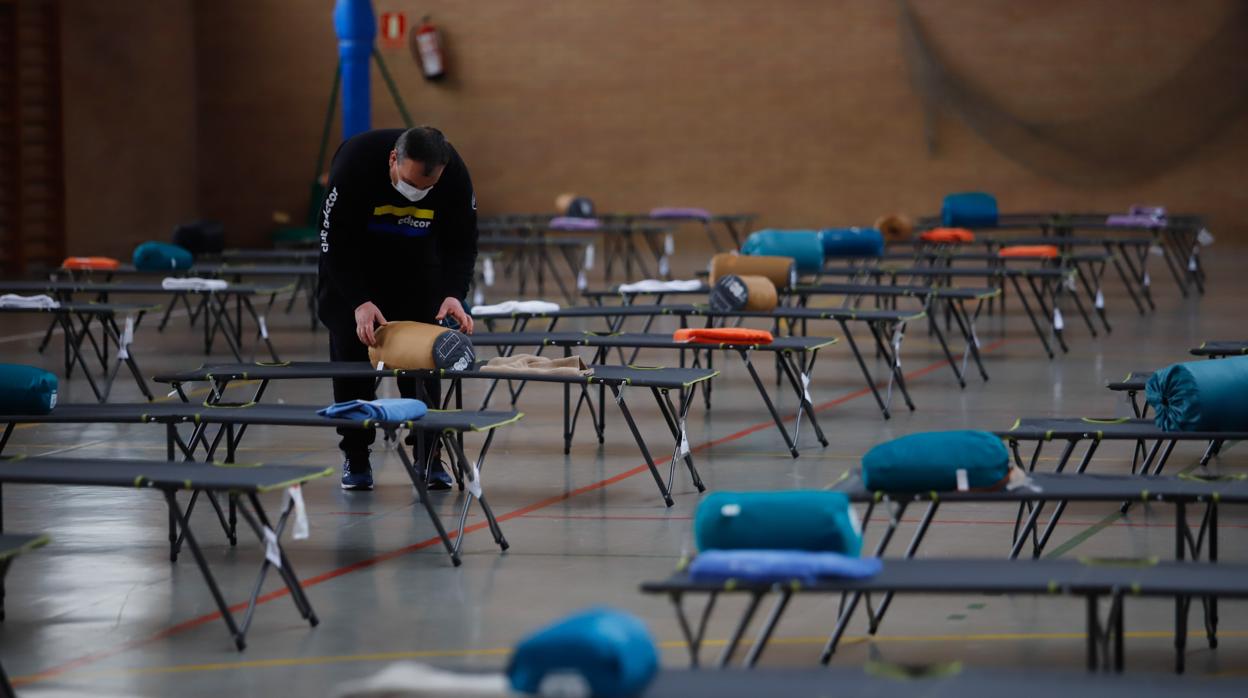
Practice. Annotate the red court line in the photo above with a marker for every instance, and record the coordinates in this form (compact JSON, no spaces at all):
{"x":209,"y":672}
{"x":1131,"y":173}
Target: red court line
{"x":115,"y":650}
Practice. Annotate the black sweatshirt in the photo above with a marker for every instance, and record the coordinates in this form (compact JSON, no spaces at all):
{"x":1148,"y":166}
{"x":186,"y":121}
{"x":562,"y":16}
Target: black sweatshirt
{"x":406,"y":257}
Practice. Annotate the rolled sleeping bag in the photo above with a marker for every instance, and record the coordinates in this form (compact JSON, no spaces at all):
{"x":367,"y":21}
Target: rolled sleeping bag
{"x":972,"y":209}
{"x":803,"y":246}
{"x":932,"y":461}
{"x":419,"y":345}
{"x":1209,"y":395}
{"x":895,"y":227}
{"x":733,"y":292}
{"x":781,"y":271}
{"x":200,"y":237}
{"x":814,"y":520}
{"x":162,"y":256}
{"x":610,"y":651}
{"x":26,"y":390}
{"x":851,"y":242}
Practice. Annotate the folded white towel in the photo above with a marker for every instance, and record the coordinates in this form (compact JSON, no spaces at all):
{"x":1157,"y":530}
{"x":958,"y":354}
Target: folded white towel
{"x":12,"y":300}
{"x":508,"y":307}
{"x":193,"y":283}
{"x":657,"y":286}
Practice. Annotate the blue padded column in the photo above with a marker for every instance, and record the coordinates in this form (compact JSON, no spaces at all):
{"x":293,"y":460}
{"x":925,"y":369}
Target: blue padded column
{"x":356,"y":27}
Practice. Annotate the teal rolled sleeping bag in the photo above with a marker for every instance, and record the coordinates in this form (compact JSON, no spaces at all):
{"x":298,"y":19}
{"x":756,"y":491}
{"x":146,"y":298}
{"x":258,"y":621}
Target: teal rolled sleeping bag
{"x":931,"y":461}
{"x":803,"y":246}
{"x":972,"y":209}
{"x":1207,"y":395}
{"x":851,"y":242}
{"x":26,"y":390}
{"x":162,"y":256}
{"x":815,"y":520}
{"x":611,"y":651}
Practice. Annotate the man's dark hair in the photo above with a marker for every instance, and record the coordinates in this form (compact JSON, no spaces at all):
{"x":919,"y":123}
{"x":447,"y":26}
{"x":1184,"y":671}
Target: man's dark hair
{"x":424,"y":144}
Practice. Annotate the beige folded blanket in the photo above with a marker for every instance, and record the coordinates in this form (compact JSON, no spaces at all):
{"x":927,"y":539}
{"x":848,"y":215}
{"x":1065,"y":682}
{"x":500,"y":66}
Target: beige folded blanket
{"x":529,"y":363}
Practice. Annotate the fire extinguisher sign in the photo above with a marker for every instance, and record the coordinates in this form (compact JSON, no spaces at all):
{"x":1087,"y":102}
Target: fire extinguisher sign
{"x":393,"y":29}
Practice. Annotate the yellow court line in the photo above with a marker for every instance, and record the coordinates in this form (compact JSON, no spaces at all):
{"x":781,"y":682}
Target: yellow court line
{"x":671,"y":644}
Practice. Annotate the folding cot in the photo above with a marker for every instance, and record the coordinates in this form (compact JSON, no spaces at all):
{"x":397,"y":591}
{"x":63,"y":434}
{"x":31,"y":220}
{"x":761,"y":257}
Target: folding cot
{"x":1090,"y":579}
{"x":76,"y":319}
{"x":954,"y":300}
{"x":12,"y":545}
{"x":660,"y":381}
{"x":1046,"y":285}
{"x":786,"y":349}
{"x":532,"y":257}
{"x":1129,"y":252}
{"x":242,"y":483}
{"x":1058,"y":487}
{"x":231,"y":423}
{"x":1220,"y":348}
{"x":951,"y":680}
{"x":621,"y":240}
{"x":213,"y":305}
{"x":734,"y":224}
{"x":887,"y":329}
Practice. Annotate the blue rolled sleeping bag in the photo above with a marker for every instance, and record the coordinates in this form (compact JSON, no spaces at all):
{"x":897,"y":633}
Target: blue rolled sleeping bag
{"x":803,"y":246}
{"x":931,"y":461}
{"x":26,"y":390}
{"x":612,"y":651}
{"x":162,"y":256}
{"x":972,"y":209}
{"x":779,"y":566}
{"x":851,"y":242}
{"x":815,"y":520}
{"x":1207,"y":395}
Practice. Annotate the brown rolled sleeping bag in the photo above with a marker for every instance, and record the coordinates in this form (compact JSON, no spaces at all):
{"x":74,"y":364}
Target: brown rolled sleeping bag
{"x":418,"y":345}
{"x":895,"y":227}
{"x":734,"y":292}
{"x":779,"y":270}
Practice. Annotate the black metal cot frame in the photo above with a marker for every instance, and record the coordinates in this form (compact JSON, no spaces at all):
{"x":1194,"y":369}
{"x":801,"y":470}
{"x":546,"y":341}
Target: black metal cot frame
{"x":232,"y":423}
{"x":12,"y":545}
{"x":244,"y":499}
{"x":1093,"y":580}
{"x":214,"y":306}
{"x":734,"y":224}
{"x":798,"y":372}
{"x":1043,"y":489}
{"x":75,"y":321}
{"x":616,"y":378}
{"x":532,"y":258}
{"x":882,"y":324}
{"x":1046,"y":286}
{"x":954,"y":300}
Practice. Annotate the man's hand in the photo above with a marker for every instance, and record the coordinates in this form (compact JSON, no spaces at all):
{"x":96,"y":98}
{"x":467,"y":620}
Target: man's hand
{"x":452,"y":307}
{"x":367,"y":317}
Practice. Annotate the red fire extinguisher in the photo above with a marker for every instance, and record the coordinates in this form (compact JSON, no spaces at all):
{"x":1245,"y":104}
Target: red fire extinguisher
{"x":426,"y":45}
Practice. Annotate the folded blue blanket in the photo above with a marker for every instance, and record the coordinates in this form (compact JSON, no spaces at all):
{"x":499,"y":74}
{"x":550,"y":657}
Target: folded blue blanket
{"x":779,"y":566}
{"x":389,"y":410}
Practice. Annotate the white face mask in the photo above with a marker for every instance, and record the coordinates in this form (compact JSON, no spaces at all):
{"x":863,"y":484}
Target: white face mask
{"x":409,"y":192}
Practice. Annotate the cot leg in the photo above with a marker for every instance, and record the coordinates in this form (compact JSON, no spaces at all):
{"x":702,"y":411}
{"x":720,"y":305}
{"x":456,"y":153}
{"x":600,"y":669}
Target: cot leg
{"x":762,"y":391}
{"x":1127,"y":283}
{"x":729,"y":649}
{"x":287,"y":573}
{"x":764,"y":633}
{"x":495,"y":529}
{"x":925,"y":523}
{"x":793,"y":373}
{"x":239,"y":638}
{"x":842,"y":623}
{"x":853,"y":347}
{"x":944,"y":347}
{"x":618,"y":393}
{"x":1031,"y":315}
{"x":1211,"y":612}
{"x":676,"y":425}
{"x":416,"y":472}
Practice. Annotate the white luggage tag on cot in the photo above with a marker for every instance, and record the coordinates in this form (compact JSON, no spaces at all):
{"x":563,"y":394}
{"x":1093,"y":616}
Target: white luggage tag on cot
{"x":474,"y":484}
{"x":669,"y":245}
{"x":806,"y":388}
{"x":1058,"y":323}
{"x":487,"y":271}
{"x":1204,"y":237}
{"x":581,"y":282}
{"x":272,"y":551}
{"x":897,"y":346}
{"x":963,"y":482}
{"x":665,"y":268}
{"x":264,"y":326}
{"x":1191,"y":262}
{"x":589,"y":256}
{"x":478,"y":298}
{"x":127,"y":336}
{"x":1100,"y":300}
{"x":684,"y":449}
{"x":294,"y":493}
{"x":1148,"y":281}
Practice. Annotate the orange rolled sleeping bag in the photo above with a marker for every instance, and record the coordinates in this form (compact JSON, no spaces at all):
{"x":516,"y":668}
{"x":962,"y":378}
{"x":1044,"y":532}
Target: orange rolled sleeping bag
{"x":90,"y":263}
{"x":1042,"y":251}
{"x":754,"y":293}
{"x":779,"y":270}
{"x":418,"y":345}
{"x":948,"y":236}
{"x":723,"y":335}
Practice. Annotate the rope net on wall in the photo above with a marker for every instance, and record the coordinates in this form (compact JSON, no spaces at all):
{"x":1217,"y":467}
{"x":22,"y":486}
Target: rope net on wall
{"x":1126,"y":142}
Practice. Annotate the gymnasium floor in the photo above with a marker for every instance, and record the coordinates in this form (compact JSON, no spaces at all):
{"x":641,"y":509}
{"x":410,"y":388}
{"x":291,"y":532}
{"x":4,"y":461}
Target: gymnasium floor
{"x":102,"y":610}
